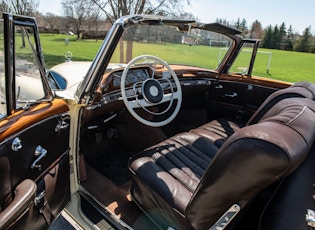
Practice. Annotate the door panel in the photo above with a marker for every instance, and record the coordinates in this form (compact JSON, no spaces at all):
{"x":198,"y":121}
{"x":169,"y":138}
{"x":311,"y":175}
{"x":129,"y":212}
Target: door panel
{"x":193,"y":112}
{"x":34,"y":132}
{"x":41,"y":146}
{"x":46,"y":125}
{"x":25,"y":118}
{"x":236,"y":99}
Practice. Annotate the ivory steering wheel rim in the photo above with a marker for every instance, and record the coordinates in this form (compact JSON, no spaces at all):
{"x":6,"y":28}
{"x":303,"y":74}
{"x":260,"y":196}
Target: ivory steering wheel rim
{"x":152,"y":95}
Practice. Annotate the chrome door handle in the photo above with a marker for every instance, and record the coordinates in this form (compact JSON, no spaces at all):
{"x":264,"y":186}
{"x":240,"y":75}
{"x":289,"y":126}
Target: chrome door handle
{"x":16,"y":144}
{"x":40,"y":153}
{"x":234,"y":94}
{"x":61,"y":125}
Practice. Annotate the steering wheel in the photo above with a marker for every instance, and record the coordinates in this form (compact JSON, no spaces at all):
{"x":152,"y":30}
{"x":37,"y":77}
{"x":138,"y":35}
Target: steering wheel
{"x":152,"y":91}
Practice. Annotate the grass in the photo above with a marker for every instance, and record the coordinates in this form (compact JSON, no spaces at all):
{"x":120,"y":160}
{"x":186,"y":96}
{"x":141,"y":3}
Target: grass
{"x":55,"y":48}
{"x":190,"y":55}
{"x":290,"y":66}
{"x":285,"y":65}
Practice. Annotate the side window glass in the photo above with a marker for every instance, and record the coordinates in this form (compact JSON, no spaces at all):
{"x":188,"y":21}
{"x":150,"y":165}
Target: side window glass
{"x":3,"y":107}
{"x":242,"y":62}
{"x":28,"y":82}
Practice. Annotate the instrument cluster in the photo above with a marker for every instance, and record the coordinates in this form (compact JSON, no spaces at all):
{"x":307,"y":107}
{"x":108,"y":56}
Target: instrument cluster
{"x":133,"y":76}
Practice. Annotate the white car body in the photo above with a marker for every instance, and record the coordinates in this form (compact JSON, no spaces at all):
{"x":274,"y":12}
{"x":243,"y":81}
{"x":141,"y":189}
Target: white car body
{"x":73,"y":73}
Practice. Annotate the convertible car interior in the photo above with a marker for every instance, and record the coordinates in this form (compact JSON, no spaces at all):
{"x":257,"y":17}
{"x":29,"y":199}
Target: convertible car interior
{"x":210,"y":172}
{"x":170,"y":127}
{"x":177,"y":146}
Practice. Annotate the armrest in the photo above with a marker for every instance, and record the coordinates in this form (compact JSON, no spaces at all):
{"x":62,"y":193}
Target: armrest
{"x":24,"y":198}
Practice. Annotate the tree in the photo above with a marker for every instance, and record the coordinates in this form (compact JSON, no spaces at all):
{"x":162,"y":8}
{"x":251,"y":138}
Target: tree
{"x":238,"y":24}
{"x":76,"y":12}
{"x":289,"y":39}
{"x":22,"y":7}
{"x":275,"y":41}
{"x":244,"y":28}
{"x":267,"y":37}
{"x":50,"y":21}
{"x":223,"y":21}
{"x":256,"y":30}
{"x":4,"y":6}
{"x":93,"y":17}
{"x":282,"y":37}
{"x":304,"y":44}
{"x":114,"y":9}
{"x":313,"y":45}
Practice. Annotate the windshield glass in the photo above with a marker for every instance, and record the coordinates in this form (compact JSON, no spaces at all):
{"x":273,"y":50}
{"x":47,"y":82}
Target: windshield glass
{"x":196,"y":47}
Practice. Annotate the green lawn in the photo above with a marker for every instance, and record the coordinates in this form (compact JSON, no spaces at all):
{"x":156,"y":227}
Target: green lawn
{"x":285,"y":65}
{"x":55,"y":48}
{"x":291,"y":66}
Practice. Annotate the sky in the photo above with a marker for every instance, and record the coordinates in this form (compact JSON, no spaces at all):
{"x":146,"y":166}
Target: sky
{"x":298,"y":13}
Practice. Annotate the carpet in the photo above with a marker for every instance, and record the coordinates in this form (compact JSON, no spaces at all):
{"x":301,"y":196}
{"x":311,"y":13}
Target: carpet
{"x":111,"y":162}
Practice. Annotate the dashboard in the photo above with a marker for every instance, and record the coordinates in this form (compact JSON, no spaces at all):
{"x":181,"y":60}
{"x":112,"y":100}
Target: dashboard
{"x":133,"y":76}
{"x":188,"y":76}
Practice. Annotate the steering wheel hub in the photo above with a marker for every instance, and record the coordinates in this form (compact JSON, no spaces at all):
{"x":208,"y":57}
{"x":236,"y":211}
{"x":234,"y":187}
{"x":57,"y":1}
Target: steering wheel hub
{"x":152,"y":91}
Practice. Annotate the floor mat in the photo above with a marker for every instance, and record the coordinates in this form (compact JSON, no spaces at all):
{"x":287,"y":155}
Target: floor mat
{"x":62,"y":223}
{"x":112,"y":163}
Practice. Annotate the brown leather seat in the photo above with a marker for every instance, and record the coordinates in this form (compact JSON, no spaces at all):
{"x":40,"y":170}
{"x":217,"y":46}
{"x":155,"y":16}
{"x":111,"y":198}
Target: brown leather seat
{"x":187,"y":182}
{"x":301,"y":89}
{"x":217,"y":131}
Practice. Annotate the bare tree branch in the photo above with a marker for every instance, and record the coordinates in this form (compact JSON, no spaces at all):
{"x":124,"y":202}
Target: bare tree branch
{"x":76,"y":12}
{"x":114,"y":9}
{"x":22,"y":7}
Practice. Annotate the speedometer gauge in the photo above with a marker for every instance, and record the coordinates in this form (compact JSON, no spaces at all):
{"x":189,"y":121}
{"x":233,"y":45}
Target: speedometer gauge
{"x":166,"y":74}
{"x":117,"y":79}
{"x":133,"y":76}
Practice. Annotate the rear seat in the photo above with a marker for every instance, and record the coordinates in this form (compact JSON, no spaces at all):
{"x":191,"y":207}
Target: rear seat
{"x":217,"y":131}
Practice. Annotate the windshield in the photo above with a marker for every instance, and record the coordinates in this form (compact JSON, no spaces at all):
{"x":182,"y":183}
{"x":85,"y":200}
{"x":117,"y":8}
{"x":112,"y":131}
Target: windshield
{"x":195,"y":47}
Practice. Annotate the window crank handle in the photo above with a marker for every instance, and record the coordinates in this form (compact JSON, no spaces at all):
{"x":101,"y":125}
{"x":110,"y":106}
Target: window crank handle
{"x":40,"y":153}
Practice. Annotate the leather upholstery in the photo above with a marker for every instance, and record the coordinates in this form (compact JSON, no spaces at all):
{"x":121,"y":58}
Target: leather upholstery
{"x":187,"y":182}
{"x":167,"y":174}
{"x":300,"y":89}
{"x":20,"y":205}
{"x":217,"y":131}
{"x":290,"y":202}
{"x":285,"y":204}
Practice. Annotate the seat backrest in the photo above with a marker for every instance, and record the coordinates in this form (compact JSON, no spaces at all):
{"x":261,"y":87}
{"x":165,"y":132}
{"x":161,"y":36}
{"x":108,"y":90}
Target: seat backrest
{"x":301,"y":89}
{"x":252,"y":159}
